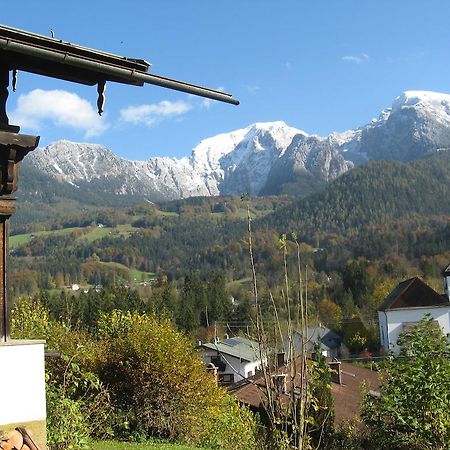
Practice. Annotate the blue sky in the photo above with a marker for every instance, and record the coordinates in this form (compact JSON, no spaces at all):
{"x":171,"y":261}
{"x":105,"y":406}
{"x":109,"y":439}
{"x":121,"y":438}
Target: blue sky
{"x":320,"y":66}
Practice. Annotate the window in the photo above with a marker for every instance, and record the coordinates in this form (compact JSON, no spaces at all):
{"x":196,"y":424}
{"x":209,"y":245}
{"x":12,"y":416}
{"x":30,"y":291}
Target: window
{"x":226,"y":378}
{"x":408,"y":327}
{"x":217,"y":361}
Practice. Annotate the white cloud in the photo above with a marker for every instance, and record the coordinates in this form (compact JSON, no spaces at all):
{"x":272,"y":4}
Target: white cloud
{"x":357,"y":59}
{"x":59,"y":107}
{"x":206,"y":103}
{"x":154,"y":113}
{"x":252,"y":88}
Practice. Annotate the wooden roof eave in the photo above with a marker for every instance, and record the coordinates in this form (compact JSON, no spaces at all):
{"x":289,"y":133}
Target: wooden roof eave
{"x":50,"y":57}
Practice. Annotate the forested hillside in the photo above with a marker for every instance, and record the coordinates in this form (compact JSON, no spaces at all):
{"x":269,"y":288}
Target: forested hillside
{"x":377,"y":193}
{"x":383,"y":208}
{"x":360,"y":236}
{"x":41,"y":198}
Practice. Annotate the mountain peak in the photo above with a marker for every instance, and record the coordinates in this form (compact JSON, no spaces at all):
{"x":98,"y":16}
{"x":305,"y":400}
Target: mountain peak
{"x":428,"y":99}
{"x":275,"y":126}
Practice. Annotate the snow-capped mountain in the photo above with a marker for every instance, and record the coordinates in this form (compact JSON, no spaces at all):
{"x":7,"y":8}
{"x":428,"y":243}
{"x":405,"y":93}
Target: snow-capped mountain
{"x":264,"y":158}
{"x":417,"y":123}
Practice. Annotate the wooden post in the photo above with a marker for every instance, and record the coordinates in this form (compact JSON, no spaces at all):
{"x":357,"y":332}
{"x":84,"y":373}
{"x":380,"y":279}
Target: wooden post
{"x":13,"y":148}
{"x":7,"y":208}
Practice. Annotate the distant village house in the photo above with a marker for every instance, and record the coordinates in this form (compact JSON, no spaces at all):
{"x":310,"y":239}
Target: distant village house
{"x":409,"y":303}
{"x":234,"y":358}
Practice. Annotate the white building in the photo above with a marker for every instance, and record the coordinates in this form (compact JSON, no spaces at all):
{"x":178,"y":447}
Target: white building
{"x":407,"y":304}
{"x":235,"y":358}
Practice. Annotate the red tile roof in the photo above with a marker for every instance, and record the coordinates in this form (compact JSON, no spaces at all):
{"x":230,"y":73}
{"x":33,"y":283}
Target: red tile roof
{"x":346,"y":396}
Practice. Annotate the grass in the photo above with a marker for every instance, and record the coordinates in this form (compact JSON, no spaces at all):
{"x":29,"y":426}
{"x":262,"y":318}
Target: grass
{"x":116,"y":445}
{"x":168,"y":213}
{"x":92,"y":235}
{"x":99,"y":232}
{"x":138,"y":275}
{"x":22,"y":239}
{"x":236,"y":283}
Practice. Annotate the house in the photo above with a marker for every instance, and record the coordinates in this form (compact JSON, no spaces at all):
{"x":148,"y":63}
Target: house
{"x":234,"y":358}
{"x":407,"y":304}
{"x":327,"y":340}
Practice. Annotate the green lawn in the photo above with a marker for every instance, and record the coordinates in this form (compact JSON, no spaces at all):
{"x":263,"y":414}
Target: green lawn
{"x":93,"y":234}
{"x":115,"y":445}
{"x":168,"y":213}
{"x":21,"y":239}
{"x":99,"y":232}
{"x":139,"y":276}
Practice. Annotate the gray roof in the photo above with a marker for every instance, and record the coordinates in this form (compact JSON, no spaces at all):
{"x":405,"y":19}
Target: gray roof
{"x":327,"y":339}
{"x":238,"y":347}
{"x":446,"y":271}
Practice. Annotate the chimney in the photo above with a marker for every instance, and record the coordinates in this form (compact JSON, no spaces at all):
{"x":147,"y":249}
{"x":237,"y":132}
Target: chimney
{"x":212,"y":369}
{"x":281,"y":359}
{"x":335,"y":368}
{"x":279,"y":383}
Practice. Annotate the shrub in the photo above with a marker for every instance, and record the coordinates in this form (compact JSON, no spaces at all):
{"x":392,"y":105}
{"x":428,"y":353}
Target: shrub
{"x":156,"y":383}
{"x":66,"y":425}
{"x":228,"y":426}
{"x":78,"y":405}
{"x":159,"y":381}
{"x":29,"y":320}
{"x":413,"y":408}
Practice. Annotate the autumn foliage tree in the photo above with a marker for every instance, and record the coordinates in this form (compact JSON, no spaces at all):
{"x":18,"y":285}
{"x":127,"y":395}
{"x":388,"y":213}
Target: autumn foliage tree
{"x":162,"y":386}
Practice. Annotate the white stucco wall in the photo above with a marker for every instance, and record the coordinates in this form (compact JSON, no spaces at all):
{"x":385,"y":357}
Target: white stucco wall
{"x":22,"y":382}
{"x":447,"y":286}
{"x":235,"y":366}
{"x":391,"y":322}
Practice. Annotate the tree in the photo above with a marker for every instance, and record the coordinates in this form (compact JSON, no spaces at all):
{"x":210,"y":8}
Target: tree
{"x":413,"y":409}
{"x":162,"y":386}
{"x":192,"y":303}
{"x":218,"y":298}
{"x":330,"y":314}
{"x":356,"y":279}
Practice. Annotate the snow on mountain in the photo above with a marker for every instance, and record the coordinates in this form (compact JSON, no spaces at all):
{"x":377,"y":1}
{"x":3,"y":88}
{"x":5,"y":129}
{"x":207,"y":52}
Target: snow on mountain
{"x":263,"y":158}
{"x":248,"y":152}
{"x":436,"y":101}
{"x":417,"y":123}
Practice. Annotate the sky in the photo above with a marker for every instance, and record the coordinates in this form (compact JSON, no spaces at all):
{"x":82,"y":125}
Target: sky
{"x":320,"y":66}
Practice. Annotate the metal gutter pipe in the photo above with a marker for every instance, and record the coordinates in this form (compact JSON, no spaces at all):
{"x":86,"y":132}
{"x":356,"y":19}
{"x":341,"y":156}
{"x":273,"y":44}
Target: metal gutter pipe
{"x":129,"y":76}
